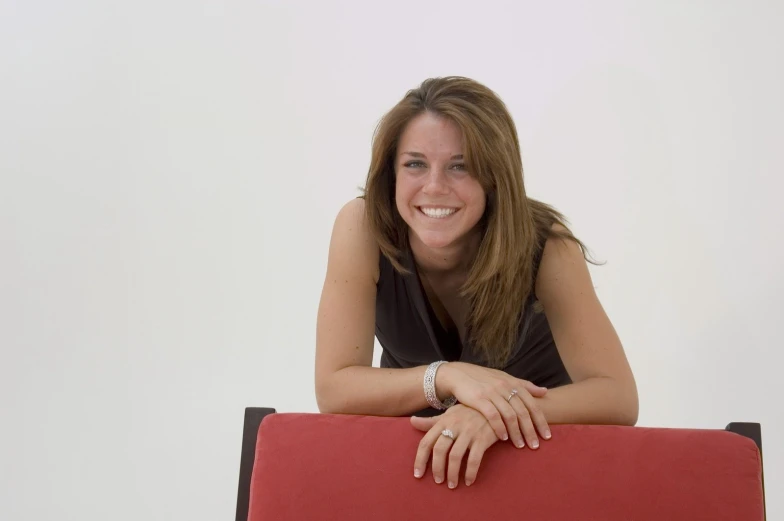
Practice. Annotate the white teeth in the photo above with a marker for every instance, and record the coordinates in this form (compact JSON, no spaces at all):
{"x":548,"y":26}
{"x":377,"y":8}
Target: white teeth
{"x":438,"y":213}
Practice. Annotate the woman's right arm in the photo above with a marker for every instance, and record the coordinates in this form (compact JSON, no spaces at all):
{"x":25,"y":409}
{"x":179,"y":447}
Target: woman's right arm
{"x":345,"y":381}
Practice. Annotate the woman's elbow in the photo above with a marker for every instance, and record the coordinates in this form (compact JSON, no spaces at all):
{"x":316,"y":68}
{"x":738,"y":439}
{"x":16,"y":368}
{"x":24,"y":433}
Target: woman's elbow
{"x":625,"y":406}
{"x":631,"y":407}
{"x":327,"y":397}
{"x":326,"y":406}
{"x":325,"y":409}
{"x":323,"y":400}
{"x":631,"y":415}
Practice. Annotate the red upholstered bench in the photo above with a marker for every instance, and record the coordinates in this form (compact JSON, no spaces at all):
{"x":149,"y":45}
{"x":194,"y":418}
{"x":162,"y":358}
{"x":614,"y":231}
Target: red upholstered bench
{"x":340,"y":467}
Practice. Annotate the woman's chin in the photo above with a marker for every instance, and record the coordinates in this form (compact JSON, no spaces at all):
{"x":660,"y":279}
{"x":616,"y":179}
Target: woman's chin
{"x":435,"y":240}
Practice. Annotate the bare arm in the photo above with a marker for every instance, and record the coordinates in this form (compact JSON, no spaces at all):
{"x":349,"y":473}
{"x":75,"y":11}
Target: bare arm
{"x":345,"y":381}
{"x":604,"y":390}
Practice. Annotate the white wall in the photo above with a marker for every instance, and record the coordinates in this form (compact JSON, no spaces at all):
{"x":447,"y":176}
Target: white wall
{"x":169,"y":173}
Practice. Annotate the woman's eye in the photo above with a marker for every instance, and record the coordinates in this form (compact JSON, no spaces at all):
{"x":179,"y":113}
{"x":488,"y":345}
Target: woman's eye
{"x":421,"y":164}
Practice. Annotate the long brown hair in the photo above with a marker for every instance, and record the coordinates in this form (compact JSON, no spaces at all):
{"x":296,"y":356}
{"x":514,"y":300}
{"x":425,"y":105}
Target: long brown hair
{"x":515,"y":227}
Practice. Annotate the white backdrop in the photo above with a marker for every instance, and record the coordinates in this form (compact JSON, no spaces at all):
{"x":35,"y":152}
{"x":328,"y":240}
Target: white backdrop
{"x":170,"y":171}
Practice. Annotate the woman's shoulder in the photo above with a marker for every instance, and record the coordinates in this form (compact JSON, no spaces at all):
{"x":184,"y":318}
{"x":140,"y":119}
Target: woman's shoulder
{"x":353,"y":246}
{"x":561,"y":261}
{"x":352,"y":218}
{"x":354,"y":208}
{"x":559,"y":246}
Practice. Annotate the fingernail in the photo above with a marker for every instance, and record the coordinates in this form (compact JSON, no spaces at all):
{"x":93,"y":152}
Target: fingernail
{"x":417,"y":473}
{"x":468,"y":483}
{"x":506,"y":437}
{"x":451,"y":485}
{"x":439,"y":480}
{"x":520,"y":444}
{"x":547,"y":435}
{"x":535,"y":444}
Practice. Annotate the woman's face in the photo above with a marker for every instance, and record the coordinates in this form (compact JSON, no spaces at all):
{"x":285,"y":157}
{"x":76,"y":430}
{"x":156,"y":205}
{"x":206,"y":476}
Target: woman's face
{"x":435,"y":194}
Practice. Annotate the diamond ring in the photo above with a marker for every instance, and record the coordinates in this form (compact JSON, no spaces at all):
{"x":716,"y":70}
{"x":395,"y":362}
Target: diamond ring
{"x":448,"y":433}
{"x":511,"y":395}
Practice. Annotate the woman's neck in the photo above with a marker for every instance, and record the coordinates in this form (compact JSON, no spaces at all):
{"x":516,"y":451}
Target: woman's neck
{"x":453,"y":260}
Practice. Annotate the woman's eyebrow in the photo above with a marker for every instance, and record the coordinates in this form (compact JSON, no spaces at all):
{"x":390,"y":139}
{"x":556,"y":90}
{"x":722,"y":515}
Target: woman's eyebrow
{"x":419,"y":154}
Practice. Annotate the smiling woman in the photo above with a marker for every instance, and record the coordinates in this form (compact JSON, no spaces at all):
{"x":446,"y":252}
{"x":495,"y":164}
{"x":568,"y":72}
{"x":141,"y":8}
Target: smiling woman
{"x":479,"y":296}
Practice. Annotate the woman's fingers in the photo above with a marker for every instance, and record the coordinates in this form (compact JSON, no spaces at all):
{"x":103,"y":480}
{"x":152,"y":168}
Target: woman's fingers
{"x":475,"y":456}
{"x":456,"y":453}
{"x":536,"y":414}
{"x":488,"y":392}
{"x":423,"y":451}
{"x":493,"y":417}
{"x":459,"y":432}
{"x":526,"y":424}
{"x":423,"y":423}
{"x":510,"y":419}
{"x":440,"y":453}
{"x":532,"y":388}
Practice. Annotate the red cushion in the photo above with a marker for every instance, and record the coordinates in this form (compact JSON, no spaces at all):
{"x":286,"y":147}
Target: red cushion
{"x":324,"y":467}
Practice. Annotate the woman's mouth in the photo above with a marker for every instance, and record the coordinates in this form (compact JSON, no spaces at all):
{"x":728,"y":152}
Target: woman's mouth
{"x":437,"y":212}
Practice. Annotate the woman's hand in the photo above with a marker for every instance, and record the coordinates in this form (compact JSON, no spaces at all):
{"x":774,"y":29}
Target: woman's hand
{"x":506,"y":402}
{"x":470,"y":432}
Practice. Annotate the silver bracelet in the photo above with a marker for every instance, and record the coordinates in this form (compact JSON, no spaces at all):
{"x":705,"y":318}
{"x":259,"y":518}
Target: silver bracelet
{"x":430,"y":389}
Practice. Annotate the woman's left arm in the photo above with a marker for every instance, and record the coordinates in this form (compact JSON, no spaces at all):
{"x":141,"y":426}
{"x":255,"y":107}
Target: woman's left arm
{"x":603,"y":389}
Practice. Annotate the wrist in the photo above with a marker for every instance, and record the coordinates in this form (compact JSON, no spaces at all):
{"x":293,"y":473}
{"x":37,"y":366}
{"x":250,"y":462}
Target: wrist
{"x":444,"y":386}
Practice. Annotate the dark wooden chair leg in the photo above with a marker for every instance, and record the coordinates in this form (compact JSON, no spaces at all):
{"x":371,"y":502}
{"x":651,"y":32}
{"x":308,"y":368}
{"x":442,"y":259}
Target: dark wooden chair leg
{"x":754,"y":432}
{"x":250,"y":430}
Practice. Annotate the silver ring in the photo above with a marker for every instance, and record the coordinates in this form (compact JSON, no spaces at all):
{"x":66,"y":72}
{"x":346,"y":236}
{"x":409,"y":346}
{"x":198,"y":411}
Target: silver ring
{"x":448,"y":433}
{"x":511,"y":395}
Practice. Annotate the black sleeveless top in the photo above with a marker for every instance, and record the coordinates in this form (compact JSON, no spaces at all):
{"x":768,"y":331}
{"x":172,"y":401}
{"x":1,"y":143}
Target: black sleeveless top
{"x":411,"y":334}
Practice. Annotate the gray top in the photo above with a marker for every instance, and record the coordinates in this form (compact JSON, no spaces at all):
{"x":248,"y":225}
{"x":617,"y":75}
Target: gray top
{"x":411,"y":335}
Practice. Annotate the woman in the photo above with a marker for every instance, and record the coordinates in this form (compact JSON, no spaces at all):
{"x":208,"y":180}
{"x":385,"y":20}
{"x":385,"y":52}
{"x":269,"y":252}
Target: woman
{"x":480,"y":297}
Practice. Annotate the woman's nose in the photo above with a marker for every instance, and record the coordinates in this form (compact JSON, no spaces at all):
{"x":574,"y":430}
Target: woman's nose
{"x":436,"y":182}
